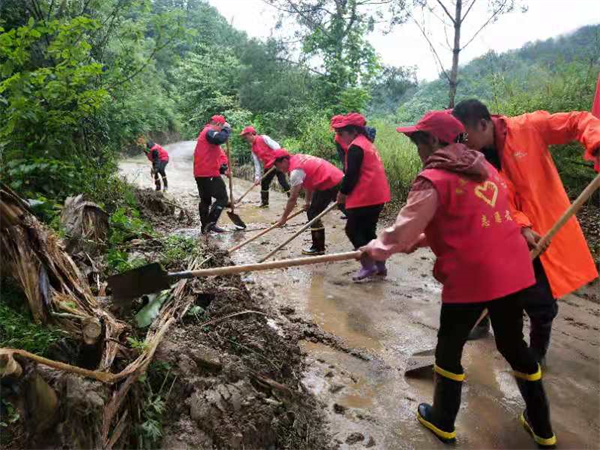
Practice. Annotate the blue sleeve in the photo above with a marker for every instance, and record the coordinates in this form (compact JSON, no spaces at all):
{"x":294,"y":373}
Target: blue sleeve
{"x":218,"y":137}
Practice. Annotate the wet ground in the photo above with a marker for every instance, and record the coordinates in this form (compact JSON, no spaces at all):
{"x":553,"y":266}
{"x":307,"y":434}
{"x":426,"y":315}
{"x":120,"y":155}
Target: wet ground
{"x":389,"y":320}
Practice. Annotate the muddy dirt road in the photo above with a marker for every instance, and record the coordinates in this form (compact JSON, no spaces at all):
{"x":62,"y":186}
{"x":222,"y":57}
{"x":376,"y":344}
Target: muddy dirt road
{"x":369,"y":402}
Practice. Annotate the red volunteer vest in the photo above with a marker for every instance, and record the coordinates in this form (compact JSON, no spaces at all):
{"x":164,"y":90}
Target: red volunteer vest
{"x":481,"y":254}
{"x":263,"y":152}
{"x":372,"y":187}
{"x":162,"y":153}
{"x":207,"y":156}
{"x":320,"y":174}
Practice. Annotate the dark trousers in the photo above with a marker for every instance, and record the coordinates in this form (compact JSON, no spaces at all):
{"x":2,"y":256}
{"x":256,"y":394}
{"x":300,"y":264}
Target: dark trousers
{"x":159,"y":169}
{"x":265,"y":184}
{"x":457,"y":319}
{"x":209,"y":188}
{"x":361,"y":227}
{"x":319,"y":202}
{"x":542,"y":308}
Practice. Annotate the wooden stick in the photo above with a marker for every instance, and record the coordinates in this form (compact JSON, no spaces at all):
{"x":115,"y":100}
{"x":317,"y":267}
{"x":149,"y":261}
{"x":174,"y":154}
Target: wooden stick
{"x":262,"y":233}
{"x":254,"y":185}
{"x":328,"y":209}
{"x":576,"y":206}
{"x":228,"y":147}
{"x":280,"y":264}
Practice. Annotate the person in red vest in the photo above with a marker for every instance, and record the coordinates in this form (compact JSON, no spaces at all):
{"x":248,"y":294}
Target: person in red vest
{"x":365,"y":189}
{"x":159,"y":158}
{"x":458,"y":206}
{"x":342,"y":148}
{"x":320,"y":180}
{"x":262,"y":152}
{"x":208,"y":163}
{"x":518,"y":148}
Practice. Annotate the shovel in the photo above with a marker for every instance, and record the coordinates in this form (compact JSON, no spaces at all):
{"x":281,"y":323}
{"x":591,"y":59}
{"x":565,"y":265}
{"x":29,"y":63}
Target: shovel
{"x":238,"y":201}
{"x":329,"y":208}
{"x":153,"y":278}
{"x":262,"y":233}
{"x":237,"y":220}
{"x":426,"y":358}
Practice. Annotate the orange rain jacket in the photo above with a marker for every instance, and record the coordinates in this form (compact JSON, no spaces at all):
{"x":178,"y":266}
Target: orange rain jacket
{"x":538,"y":195}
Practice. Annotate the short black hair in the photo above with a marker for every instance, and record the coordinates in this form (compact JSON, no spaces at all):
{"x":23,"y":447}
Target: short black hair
{"x":280,"y":159}
{"x":419,"y":137}
{"x":471,"y":111}
{"x":355,"y":128}
{"x":150,"y":144}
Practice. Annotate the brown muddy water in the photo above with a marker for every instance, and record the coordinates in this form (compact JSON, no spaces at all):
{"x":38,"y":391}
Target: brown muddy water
{"x":389,"y":320}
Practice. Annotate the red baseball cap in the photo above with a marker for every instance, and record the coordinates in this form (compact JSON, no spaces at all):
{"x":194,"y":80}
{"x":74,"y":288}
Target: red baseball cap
{"x":280,"y":153}
{"x":441,"y":124}
{"x":248,"y":130}
{"x":218,"y":119}
{"x":349,"y":119}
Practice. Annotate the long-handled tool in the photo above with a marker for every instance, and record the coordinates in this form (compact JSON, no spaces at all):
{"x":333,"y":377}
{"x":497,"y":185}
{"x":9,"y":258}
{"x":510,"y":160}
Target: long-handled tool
{"x":426,"y":358}
{"x":329,"y":208}
{"x":262,"y":233}
{"x":238,"y":201}
{"x":153,"y":278}
{"x":237,"y":220}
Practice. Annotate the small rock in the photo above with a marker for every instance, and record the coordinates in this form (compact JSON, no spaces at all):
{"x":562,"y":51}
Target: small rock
{"x":206,"y":357}
{"x":329,"y":374}
{"x":339,"y":409}
{"x":336,"y":388}
{"x":371,"y":443}
{"x":354,"y":438}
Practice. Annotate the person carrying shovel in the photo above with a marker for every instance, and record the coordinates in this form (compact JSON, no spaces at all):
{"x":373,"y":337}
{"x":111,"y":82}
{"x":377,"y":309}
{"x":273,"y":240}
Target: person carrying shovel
{"x":159,"y":158}
{"x":320,"y":180}
{"x":208,"y":163}
{"x":458,"y":205}
{"x":518,"y":148}
{"x":364,"y":190}
{"x":262,"y":152}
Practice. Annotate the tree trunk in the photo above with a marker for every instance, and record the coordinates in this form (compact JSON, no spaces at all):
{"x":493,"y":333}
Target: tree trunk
{"x":455,"y":53}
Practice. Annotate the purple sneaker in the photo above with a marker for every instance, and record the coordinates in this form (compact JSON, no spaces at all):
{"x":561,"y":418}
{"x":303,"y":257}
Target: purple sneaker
{"x":381,"y":269}
{"x":366,"y":271}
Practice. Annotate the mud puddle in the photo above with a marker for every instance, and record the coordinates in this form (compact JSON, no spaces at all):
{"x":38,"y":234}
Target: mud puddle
{"x":390,"y":320}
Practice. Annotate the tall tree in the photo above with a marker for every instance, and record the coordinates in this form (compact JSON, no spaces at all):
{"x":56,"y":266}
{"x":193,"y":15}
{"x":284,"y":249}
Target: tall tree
{"x":453,"y":14}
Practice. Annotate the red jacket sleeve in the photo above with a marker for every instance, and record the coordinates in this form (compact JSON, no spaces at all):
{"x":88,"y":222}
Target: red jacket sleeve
{"x":562,"y":128}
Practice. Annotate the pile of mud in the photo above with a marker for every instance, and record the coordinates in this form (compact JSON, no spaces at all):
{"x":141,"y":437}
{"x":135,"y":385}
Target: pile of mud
{"x":161,"y":211}
{"x":238,"y":375}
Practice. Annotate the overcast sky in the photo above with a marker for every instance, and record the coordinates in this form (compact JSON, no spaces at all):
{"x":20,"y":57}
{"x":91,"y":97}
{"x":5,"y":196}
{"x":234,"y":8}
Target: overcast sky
{"x":405,"y":46}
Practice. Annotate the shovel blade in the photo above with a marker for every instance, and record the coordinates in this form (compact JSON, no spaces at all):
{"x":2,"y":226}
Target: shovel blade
{"x":237,"y":220}
{"x":420,"y":363}
{"x":137,"y":282}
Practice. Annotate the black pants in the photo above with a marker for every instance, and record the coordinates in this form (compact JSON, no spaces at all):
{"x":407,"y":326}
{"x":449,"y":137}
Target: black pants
{"x":159,"y":169}
{"x":361,"y":227}
{"x":457,"y":319}
{"x":265,"y":184}
{"x":209,"y":188}
{"x":319,"y":202}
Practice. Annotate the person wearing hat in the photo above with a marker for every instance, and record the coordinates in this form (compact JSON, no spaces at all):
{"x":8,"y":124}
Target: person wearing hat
{"x":208,"y":163}
{"x":159,"y":158}
{"x":458,"y":206}
{"x":519,"y":149}
{"x":262,"y":152}
{"x":320,"y":180}
{"x":365,"y":189}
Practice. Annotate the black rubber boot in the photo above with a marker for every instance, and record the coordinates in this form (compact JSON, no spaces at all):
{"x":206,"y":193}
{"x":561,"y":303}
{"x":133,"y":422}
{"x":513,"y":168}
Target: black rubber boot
{"x":318,"y":243}
{"x":203,"y":211}
{"x":536,"y":417}
{"x":264,"y":199}
{"x":213,"y":218}
{"x":480,"y":331}
{"x":157,"y":182}
{"x":165,"y":183}
{"x":440,"y":418}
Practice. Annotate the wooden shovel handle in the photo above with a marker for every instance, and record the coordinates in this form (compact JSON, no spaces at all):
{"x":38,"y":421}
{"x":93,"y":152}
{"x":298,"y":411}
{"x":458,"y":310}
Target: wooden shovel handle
{"x":254,"y":185}
{"x":228,"y":147}
{"x":329,"y":208}
{"x":281,"y":264}
{"x":262,"y":233}
{"x":576,"y":206}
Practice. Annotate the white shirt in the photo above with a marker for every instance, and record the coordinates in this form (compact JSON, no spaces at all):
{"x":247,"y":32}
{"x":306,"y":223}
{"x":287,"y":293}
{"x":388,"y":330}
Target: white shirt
{"x":297,"y":177}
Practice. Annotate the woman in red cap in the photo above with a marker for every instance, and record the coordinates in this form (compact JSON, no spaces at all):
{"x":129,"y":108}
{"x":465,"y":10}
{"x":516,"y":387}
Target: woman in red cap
{"x":262,"y":152}
{"x":365,"y":188}
{"x":207,"y":172}
{"x":320,"y":180}
{"x":159,"y":158}
{"x":458,"y":205}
